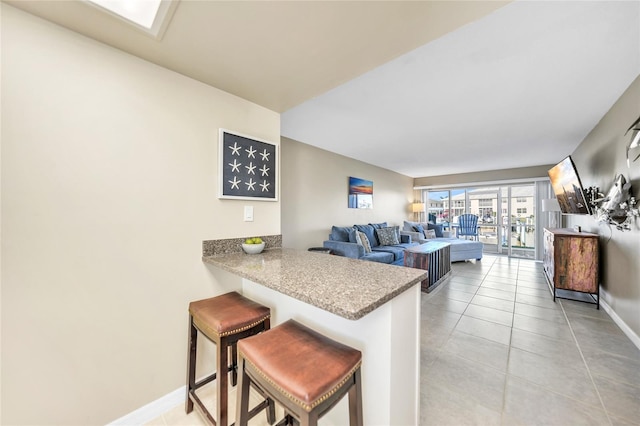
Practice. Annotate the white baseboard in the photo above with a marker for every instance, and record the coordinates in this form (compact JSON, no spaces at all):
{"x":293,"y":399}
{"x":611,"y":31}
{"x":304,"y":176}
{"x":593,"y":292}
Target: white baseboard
{"x":635,"y":339}
{"x":153,"y":409}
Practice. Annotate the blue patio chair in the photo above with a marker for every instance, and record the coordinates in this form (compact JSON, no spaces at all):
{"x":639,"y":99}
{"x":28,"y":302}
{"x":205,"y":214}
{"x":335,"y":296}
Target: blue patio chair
{"x":468,"y":225}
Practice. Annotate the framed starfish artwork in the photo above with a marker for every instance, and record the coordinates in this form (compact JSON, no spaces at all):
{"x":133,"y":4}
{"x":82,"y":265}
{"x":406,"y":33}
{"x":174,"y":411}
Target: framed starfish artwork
{"x":248,"y":167}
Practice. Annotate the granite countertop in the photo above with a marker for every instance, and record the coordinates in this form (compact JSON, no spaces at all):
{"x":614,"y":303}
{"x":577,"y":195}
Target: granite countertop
{"x":346,"y":287}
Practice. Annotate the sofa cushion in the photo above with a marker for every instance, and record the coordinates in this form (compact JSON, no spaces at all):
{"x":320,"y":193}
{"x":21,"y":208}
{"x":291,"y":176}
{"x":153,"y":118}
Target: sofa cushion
{"x":387,"y":236}
{"x":397,"y":250}
{"x":340,"y":233}
{"x":379,"y":256}
{"x":361,"y":238}
{"x":370,"y":232}
{"x":379,"y":225}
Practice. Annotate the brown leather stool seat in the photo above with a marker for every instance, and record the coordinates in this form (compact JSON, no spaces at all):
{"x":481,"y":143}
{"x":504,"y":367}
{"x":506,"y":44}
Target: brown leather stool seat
{"x":224,"y":320}
{"x":306,"y":372}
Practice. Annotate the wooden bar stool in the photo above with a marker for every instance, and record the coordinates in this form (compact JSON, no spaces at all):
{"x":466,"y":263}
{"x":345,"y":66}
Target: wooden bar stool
{"x":224,"y":320}
{"x":304,"y":371}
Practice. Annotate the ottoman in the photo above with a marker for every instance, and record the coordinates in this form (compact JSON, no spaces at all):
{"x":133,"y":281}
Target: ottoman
{"x":464,"y":249}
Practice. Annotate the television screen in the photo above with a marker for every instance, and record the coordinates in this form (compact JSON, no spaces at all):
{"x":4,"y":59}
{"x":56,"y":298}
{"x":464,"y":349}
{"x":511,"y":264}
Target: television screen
{"x":568,"y":188}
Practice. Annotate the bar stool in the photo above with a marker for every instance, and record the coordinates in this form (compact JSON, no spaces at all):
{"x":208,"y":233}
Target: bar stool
{"x":224,"y":320}
{"x":304,"y":371}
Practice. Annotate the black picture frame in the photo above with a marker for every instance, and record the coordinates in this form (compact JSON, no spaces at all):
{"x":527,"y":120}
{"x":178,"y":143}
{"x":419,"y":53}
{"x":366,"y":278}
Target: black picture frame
{"x":248,"y":167}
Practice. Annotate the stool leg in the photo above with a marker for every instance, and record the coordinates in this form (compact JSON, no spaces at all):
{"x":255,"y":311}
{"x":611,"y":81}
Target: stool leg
{"x":234,"y":363}
{"x":242,"y":395}
{"x":271,"y":411}
{"x":355,"y":400}
{"x":191,"y":364}
{"x":222,"y":366}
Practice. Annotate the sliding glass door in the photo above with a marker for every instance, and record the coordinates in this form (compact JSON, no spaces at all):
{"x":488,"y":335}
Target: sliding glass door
{"x":506,"y":215}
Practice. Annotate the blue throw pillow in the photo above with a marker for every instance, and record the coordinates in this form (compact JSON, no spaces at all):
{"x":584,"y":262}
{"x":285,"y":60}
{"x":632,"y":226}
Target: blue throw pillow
{"x":419,"y":228}
{"x":370,"y":232}
{"x":437,"y":228}
{"x":340,"y":233}
{"x":353,"y":236}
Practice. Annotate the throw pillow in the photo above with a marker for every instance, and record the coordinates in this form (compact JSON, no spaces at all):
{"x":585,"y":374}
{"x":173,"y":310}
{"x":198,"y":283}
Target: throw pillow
{"x":370,"y":232}
{"x":387,"y":236}
{"x":419,"y":228}
{"x":397,"y":231}
{"x":353,"y":235}
{"x":364,"y":241}
{"x":437,"y":228}
{"x":429,"y":234}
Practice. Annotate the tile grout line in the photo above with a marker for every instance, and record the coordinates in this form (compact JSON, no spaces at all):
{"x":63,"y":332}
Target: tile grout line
{"x":506,"y":375}
{"x":606,"y":412}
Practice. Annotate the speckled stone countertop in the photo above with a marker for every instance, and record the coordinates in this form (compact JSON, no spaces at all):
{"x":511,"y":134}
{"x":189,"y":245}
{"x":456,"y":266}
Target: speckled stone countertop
{"x":346,"y":287}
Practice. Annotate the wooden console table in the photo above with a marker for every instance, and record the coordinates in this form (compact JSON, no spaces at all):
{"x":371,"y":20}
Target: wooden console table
{"x":434,"y":257}
{"x":571,"y":262}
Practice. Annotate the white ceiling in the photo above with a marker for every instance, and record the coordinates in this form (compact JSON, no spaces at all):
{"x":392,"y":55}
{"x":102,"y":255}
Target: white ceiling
{"x":520,"y":87}
{"x":423,"y":88}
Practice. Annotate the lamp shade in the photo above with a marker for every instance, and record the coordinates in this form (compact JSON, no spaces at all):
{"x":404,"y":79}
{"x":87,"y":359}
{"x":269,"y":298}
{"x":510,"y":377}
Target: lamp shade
{"x":418,"y":207}
{"x":550,"y":205}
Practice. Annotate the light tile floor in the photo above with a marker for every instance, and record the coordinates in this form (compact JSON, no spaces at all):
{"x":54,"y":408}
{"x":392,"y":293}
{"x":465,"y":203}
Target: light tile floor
{"x":496,"y":350}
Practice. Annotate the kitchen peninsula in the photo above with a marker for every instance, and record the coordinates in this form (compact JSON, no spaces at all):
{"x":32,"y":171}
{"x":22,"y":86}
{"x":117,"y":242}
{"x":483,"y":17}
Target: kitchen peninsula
{"x":370,"y":306}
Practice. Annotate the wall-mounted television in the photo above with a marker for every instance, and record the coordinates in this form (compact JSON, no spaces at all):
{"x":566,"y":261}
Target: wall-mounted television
{"x":568,"y":188}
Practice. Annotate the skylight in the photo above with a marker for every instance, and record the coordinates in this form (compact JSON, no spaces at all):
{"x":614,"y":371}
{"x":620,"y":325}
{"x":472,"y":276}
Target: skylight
{"x":140,"y":12}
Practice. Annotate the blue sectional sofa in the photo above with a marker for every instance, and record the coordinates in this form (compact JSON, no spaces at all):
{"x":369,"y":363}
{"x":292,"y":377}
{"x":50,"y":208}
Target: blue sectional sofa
{"x":461,"y":249}
{"x":344,"y":241}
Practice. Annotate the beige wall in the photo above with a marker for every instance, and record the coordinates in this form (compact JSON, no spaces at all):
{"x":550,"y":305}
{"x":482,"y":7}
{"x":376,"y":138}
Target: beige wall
{"x":109,"y":185}
{"x":598,"y":159}
{"x":487,"y":176}
{"x":314,"y":194}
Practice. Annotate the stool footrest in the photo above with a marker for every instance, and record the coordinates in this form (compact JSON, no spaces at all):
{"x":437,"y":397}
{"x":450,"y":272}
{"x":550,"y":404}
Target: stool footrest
{"x":204,"y":381}
{"x":211,"y":378}
{"x":265,"y":404}
{"x":199,"y":406}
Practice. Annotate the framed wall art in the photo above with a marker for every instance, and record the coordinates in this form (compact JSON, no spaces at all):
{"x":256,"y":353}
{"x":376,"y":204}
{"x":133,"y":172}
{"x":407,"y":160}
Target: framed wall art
{"x":248,"y":168}
{"x":360,"y":193}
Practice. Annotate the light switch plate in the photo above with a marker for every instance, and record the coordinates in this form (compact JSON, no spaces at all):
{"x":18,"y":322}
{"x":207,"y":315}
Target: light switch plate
{"x":248,"y":213}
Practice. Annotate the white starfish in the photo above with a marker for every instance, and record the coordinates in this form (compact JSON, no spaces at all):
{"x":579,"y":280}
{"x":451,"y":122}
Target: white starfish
{"x":264,"y":185}
{"x":251,"y":153}
{"x":265,"y":155}
{"x":235,"y":167}
{"x":235,"y":149}
{"x":250,"y":168}
{"x":251,"y":184}
{"x":264,"y":170}
{"x":234,"y":183}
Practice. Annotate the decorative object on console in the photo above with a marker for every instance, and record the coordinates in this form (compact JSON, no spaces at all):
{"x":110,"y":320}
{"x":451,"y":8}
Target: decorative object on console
{"x":360,"y":193}
{"x":634,"y":142}
{"x":618,"y":208}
